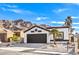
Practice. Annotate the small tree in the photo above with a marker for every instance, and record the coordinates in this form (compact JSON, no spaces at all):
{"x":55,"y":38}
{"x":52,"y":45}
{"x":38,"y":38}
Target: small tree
{"x":55,"y":33}
{"x":15,"y":38}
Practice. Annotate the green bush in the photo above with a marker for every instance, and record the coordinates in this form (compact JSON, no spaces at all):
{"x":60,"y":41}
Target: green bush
{"x":15,"y":38}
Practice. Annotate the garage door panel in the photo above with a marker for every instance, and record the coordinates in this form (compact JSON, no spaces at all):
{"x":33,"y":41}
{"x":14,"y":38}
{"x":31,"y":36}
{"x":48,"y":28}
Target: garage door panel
{"x":36,"y":38}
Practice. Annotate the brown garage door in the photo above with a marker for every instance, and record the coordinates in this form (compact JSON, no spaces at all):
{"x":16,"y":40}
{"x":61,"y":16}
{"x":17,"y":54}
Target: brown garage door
{"x":3,"y":37}
{"x":36,"y":38}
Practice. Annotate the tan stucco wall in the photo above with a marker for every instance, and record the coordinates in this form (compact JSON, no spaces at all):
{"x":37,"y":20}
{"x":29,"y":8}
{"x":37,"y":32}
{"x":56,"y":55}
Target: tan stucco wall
{"x":22,"y":34}
{"x":9,"y":34}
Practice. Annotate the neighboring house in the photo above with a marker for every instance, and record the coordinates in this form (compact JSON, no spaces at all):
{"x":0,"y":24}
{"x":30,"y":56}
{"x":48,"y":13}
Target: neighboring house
{"x":5,"y":34}
{"x":18,"y":31}
{"x":37,"y":34}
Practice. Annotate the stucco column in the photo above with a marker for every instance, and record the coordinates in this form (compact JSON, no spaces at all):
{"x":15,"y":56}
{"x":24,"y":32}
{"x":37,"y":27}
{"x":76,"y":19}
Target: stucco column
{"x":25,"y":39}
{"x":48,"y":38}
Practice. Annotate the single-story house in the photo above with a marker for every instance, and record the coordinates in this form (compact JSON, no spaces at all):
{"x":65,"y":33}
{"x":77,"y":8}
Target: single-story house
{"x":5,"y":34}
{"x":19,"y":31}
{"x":37,"y":34}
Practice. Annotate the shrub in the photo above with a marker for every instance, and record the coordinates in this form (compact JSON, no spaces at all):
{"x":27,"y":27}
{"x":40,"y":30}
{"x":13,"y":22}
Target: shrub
{"x":15,"y":38}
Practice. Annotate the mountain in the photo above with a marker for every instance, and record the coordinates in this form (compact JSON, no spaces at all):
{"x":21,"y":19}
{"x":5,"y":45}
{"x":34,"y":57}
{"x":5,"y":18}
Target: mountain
{"x":19,"y":23}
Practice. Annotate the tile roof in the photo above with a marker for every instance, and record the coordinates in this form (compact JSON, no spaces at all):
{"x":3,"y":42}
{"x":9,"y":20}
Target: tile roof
{"x":36,"y":26}
{"x":57,"y":27}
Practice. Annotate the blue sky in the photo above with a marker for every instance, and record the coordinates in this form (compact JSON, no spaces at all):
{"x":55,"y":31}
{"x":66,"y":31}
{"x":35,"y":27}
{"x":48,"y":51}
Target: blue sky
{"x":53,"y":14}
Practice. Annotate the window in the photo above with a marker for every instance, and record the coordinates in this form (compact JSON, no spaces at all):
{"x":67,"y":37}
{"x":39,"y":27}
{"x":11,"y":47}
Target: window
{"x":32,"y":31}
{"x":17,"y":33}
{"x":35,"y":29}
{"x":60,"y":36}
{"x":39,"y":31}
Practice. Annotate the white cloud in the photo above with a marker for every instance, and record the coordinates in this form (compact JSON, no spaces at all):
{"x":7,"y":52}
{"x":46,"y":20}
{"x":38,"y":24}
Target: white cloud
{"x":12,"y":10}
{"x":60,"y":10}
{"x":76,"y":27}
{"x":76,"y":23}
{"x":75,"y":17}
{"x":38,"y":18}
{"x":10,"y":6}
{"x":41,"y":18}
{"x":15,"y":10}
{"x":62,"y":22}
{"x":19,"y":11}
{"x":56,"y":22}
{"x":4,"y":9}
{"x":53,"y":22}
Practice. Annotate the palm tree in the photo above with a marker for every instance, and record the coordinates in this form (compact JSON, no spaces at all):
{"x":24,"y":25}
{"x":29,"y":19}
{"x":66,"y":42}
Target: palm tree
{"x":55,"y":33}
{"x":68,"y":21}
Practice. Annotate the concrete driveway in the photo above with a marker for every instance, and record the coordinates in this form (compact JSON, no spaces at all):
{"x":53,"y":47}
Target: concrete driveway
{"x":30,"y":45}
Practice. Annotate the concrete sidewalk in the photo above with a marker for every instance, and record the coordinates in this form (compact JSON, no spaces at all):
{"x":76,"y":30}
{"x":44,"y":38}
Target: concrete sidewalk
{"x":50,"y":53}
{"x":16,"y":48}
